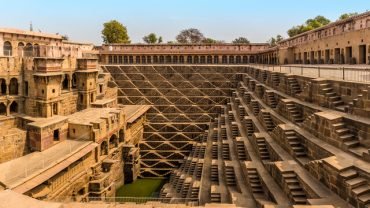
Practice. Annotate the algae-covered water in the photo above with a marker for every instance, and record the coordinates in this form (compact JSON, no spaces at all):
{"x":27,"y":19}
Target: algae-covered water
{"x":141,"y":188}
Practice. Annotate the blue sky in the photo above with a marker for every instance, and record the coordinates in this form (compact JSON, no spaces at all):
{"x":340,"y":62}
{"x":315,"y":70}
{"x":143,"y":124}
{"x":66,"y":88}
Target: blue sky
{"x":258,"y":20}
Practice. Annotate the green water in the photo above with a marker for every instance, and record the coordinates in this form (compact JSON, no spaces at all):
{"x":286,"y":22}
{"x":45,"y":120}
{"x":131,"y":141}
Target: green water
{"x":141,"y":188}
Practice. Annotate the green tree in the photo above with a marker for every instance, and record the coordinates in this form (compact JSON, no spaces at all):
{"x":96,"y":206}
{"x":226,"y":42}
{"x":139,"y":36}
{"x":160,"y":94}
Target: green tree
{"x":151,"y":38}
{"x":241,"y":40}
{"x":273,"y":41}
{"x":347,"y":15}
{"x":160,"y":40}
{"x":114,"y":32}
{"x":190,"y":35}
{"x":310,"y":24}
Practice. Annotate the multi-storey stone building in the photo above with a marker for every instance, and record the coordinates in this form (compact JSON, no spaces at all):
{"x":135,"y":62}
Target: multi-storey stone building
{"x":221,"y":128}
{"x":63,"y":133}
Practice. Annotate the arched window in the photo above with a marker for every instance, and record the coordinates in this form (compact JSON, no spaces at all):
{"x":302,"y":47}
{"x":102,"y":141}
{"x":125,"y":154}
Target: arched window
{"x":143,"y":59}
{"x":14,"y":107}
{"x":137,"y":59}
{"x":131,"y":59}
{"x":2,"y":109}
{"x":125,"y":59}
{"x":28,"y":50}
{"x":149,"y":59}
{"x":8,"y":50}
{"x":13,"y":86}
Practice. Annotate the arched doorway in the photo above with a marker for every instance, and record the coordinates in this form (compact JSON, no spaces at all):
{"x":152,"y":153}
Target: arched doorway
{"x":121,"y":135}
{"x":74,"y":81}
{"x":13,"y":86}
{"x":104,"y":148}
{"x":8,"y":50}
{"x":14,"y":107}
{"x":2,"y":109}
{"x":196,"y":59}
{"x":168,"y":59}
{"x":224,"y":59}
{"x":113,"y":141}
{"x":209,"y":59}
{"x":65,"y":83}
{"x":190,"y":59}
{"x":2,"y":86}
{"x":238,"y":59}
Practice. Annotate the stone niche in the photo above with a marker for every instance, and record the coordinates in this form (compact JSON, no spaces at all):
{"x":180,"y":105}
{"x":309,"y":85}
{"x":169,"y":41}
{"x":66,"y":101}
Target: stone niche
{"x":48,"y":64}
{"x":45,"y":133}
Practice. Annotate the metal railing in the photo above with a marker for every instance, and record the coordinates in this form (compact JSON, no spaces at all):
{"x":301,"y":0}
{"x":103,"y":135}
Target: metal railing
{"x":359,"y":73}
{"x":136,"y":200}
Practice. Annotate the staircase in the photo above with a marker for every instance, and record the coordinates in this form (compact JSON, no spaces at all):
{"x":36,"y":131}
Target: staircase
{"x":254,"y":181}
{"x":271,"y":100}
{"x":185,"y":189}
{"x":350,"y":141}
{"x":215,"y":151}
{"x":241,"y":150}
{"x":225,"y":151}
{"x":230,"y":176}
{"x":249,"y":126}
{"x":214,"y":173}
{"x":247,"y":98}
{"x":358,"y":186}
{"x":241,"y":112}
{"x":296,"y":192}
{"x":255,"y":107}
{"x":294,"y":86}
{"x":267,"y":120}
{"x":194,"y":193}
{"x":335,"y":101}
{"x":295,"y":143}
{"x":275,"y":79}
{"x":264,"y":76}
{"x":215,"y":197}
{"x":262,"y":149}
{"x":295,"y":114}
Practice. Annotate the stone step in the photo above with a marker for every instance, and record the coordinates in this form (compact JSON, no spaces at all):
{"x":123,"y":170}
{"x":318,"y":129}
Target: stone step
{"x":355,"y":182}
{"x":300,"y":200}
{"x":352,"y":144}
{"x":363,"y":189}
{"x":364,"y":198}
{"x":338,"y":125}
{"x":349,"y":174}
{"x":347,"y":137}
{"x":342,"y":131}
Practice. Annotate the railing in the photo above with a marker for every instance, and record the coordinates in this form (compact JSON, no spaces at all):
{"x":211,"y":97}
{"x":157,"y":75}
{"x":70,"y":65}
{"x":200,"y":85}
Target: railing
{"x":359,"y":73}
{"x":138,"y":200}
{"x":23,"y":171}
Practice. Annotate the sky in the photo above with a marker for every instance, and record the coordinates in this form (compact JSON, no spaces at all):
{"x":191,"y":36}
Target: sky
{"x":258,"y":20}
